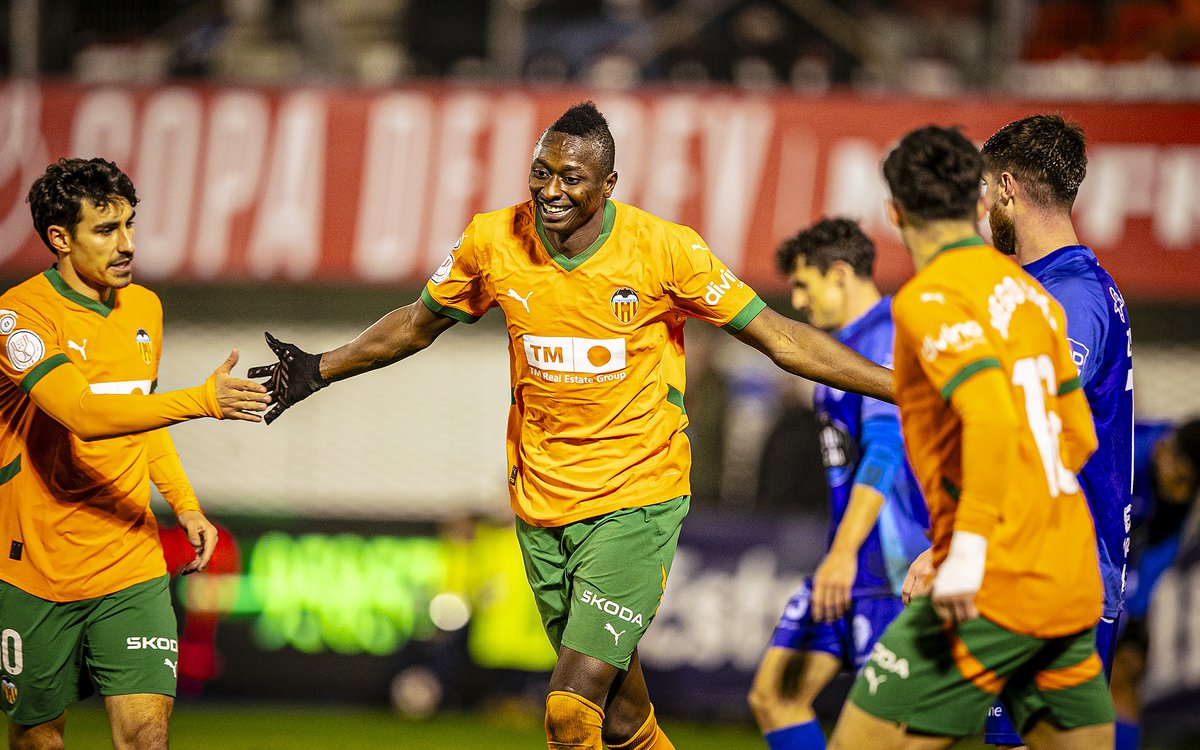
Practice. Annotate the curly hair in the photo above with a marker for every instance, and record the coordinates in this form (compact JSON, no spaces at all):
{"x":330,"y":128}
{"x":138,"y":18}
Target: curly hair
{"x":56,"y":198}
{"x":823,"y":243}
{"x":934,"y":173}
{"x":585,"y":121}
{"x":1047,"y":154}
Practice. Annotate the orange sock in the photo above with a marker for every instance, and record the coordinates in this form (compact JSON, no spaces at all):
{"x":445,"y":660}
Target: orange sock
{"x":649,"y":737}
{"x":572,"y":721}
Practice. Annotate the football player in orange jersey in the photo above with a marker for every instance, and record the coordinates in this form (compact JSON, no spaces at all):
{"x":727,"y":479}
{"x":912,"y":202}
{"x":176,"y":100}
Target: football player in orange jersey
{"x":83,"y":586}
{"x":595,"y":294}
{"x":996,"y":426}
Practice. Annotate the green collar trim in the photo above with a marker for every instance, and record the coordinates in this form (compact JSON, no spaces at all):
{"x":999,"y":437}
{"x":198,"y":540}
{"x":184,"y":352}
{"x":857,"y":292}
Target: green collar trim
{"x":60,"y":285}
{"x":570,"y":264}
{"x":972,"y":241}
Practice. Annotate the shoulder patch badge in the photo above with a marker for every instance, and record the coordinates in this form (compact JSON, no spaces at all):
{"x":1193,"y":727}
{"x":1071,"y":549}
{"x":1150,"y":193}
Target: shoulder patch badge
{"x":8,"y":321}
{"x":443,"y":271}
{"x":624,"y":304}
{"x":25,"y":349}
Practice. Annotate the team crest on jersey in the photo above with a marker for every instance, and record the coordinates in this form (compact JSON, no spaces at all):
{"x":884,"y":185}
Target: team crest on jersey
{"x":10,"y":690}
{"x":624,"y":304}
{"x":25,"y":349}
{"x":8,"y":321}
{"x":145,"y":346}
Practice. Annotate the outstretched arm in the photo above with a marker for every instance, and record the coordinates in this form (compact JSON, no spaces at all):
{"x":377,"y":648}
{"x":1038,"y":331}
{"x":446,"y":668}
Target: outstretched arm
{"x":299,"y":374}
{"x":65,"y":395}
{"x":399,"y":334}
{"x":811,"y":353}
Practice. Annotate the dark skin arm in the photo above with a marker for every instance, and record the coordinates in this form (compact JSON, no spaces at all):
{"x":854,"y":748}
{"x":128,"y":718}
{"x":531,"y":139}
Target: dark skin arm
{"x":811,"y":353}
{"x":399,"y":334}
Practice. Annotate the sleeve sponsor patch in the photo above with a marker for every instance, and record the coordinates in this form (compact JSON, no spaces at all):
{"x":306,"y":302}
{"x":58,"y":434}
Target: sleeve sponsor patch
{"x":956,"y":338}
{"x":443,"y":270}
{"x":25,"y":349}
{"x":8,"y":321}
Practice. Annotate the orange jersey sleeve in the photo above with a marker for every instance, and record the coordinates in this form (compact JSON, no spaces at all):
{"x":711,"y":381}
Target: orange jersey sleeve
{"x":167,"y":474}
{"x":457,"y":288}
{"x":704,"y":287}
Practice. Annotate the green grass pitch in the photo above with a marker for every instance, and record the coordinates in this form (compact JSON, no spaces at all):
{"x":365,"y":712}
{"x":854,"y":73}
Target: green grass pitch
{"x":204,"y":727}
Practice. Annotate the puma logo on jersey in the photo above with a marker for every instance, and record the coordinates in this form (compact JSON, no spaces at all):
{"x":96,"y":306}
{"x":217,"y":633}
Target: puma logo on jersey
{"x":523,"y":300}
{"x":78,"y":347}
{"x":874,"y":679}
{"x":175,"y":669}
{"x":616,"y":636}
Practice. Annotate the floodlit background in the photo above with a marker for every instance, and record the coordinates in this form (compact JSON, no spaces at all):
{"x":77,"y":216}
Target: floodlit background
{"x":304,"y":165}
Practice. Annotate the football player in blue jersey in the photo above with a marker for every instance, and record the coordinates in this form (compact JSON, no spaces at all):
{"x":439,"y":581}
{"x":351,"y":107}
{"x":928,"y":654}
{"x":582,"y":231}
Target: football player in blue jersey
{"x":1166,"y":479}
{"x":1032,"y":172}
{"x":878,"y":516}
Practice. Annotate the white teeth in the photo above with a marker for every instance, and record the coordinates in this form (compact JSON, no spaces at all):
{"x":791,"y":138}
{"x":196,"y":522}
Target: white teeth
{"x":553,"y":209}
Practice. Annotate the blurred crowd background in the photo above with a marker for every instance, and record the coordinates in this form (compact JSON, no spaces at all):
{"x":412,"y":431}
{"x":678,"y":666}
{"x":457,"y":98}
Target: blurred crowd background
{"x":368,"y":556}
{"x":1132,"y":49}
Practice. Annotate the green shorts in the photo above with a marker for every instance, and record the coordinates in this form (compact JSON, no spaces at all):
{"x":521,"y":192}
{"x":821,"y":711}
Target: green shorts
{"x":938,"y":680}
{"x":125,"y":641}
{"x":598,"y":582}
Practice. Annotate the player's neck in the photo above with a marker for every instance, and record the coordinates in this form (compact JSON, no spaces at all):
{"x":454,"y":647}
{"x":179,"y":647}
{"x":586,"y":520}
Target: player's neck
{"x":861,"y":296}
{"x":927,"y":241}
{"x":78,"y":283}
{"x":1043,"y":235}
{"x":577,"y":242}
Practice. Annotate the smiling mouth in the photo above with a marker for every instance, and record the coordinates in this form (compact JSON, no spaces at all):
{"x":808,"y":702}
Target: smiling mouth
{"x":554,"y":212}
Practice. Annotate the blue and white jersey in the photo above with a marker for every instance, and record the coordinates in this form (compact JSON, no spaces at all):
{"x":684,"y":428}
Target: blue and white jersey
{"x":1102,"y":344}
{"x":861,"y":444}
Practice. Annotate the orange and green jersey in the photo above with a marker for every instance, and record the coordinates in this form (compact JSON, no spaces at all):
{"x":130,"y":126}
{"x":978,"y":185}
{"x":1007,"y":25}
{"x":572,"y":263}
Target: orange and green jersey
{"x":75,"y":520}
{"x":972,"y":310}
{"x":596,"y":352}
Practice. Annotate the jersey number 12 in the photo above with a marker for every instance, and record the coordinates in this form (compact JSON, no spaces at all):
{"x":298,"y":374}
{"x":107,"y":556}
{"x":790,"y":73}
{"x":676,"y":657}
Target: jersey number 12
{"x":1036,"y":377}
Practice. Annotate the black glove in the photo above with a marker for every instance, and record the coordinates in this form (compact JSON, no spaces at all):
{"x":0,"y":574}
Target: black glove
{"x":295,"y":377}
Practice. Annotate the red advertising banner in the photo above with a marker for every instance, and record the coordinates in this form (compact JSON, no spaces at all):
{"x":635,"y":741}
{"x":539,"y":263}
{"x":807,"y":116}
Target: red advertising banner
{"x":372,"y":186}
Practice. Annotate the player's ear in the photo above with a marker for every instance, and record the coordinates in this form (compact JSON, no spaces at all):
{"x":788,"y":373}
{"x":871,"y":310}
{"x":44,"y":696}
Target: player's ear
{"x":60,"y":238}
{"x":1008,"y":187}
{"x":841,"y":272}
{"x":894,"y":215}
{"x":610,"y":182}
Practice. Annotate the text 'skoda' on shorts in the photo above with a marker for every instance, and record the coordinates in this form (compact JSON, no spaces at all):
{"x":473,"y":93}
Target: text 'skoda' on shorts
{"x":599,"y":582}
{"x":938,"y":679}
{"x":125,"y":641}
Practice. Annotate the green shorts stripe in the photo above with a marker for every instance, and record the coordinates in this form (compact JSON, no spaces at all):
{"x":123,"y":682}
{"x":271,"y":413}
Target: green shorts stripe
{"x":598,"y":583}
{"x":52,"y":651}
{"x":940,"y":680}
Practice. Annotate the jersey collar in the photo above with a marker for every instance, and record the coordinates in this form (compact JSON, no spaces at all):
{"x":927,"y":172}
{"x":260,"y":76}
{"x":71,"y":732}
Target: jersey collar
{"x":60,"y":285}
{"x":1041,"y":264}
{"x":570,"y":264}
{"x":972,"y":241}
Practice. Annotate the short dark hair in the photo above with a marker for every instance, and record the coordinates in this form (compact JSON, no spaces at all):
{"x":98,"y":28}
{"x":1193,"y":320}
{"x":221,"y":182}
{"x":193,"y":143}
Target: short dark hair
{"x":56,"y":198}
{"x":1046,"y":153}
{"x":934,"y":174}
{"x":823,"y":243}
{"x":585,"y":121}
